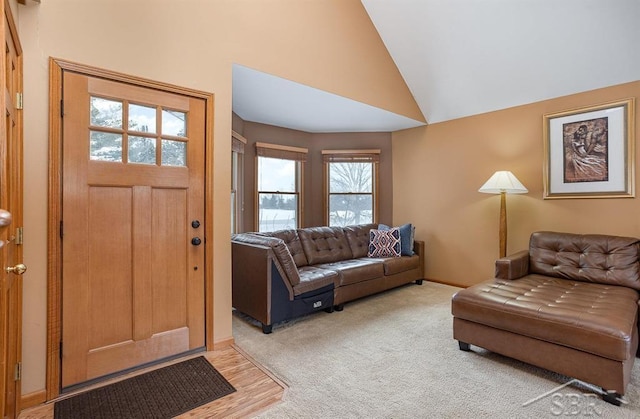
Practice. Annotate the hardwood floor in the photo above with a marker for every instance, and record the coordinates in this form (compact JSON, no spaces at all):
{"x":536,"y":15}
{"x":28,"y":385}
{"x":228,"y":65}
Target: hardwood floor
{"x":256,"y":389}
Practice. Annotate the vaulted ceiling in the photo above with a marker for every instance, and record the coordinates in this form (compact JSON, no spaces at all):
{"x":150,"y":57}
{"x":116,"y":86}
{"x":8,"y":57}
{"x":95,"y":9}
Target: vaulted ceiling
{"x":465,"y":57}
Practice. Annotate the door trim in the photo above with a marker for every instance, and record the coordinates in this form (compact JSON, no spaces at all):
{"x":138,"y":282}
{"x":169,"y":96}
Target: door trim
{"x":54,"y":242}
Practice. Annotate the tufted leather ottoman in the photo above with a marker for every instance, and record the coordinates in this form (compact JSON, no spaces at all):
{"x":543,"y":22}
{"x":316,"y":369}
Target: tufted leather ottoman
{"x":595,"y":318}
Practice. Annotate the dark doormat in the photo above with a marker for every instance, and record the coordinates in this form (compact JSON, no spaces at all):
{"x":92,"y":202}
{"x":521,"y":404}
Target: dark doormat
{"x":163,"y":393}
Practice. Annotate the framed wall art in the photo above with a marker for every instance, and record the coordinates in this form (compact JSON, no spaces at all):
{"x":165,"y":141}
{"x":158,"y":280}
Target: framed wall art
{"x":589,"y":152}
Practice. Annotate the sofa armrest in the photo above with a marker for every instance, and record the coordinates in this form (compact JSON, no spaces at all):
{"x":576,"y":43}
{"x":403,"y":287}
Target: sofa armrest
{"x":286,"y":265}
{"x":418,"y":248}
{"x":252,"y":277}
{"x":513,"y":266}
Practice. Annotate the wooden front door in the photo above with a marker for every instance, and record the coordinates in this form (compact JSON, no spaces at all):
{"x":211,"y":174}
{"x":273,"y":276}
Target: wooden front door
{"x":133,"y":208}
{"x":11,"y":266}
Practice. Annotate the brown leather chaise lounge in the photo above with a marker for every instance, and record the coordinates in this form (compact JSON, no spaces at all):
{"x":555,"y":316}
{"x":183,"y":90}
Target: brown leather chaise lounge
{"x":569,"y":304}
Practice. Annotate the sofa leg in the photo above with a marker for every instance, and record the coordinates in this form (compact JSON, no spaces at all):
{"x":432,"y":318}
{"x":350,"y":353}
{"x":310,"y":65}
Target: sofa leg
{"x":339,"y":307}
{"x":329,"y":309}
{"x":611,"y":397}
{"x":464,"y":346}
{"x":267,"y":328}
{"x":419,"y":281}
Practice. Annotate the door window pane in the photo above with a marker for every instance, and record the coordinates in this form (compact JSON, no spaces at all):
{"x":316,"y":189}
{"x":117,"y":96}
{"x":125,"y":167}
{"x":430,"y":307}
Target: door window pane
{"x":174,"y":153}
{"x":106,"y":113}
{"x":105,"y":146}
{"x":174,"y":123}
{"x":278,"y":211}
{"x":142,"y":150}
{"x":142,"y":118}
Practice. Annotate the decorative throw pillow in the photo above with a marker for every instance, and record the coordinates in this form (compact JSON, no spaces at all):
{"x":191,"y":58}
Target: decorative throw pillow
{"x":384,"y":243}
{"x":407,"y":235}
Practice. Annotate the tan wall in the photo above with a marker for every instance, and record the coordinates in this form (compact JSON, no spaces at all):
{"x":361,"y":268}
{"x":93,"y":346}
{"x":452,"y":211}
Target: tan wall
{"x":315,"y":143}
{"x":330,"y":45}
{"x":438,"y":170}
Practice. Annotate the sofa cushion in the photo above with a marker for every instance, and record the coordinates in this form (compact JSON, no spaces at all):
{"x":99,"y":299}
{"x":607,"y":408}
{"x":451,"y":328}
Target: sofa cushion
{"x":313,"y":278}
{"x":324,"y":244}
{"x":353,"y":271}
{"x":358,"y":237}
{"x":595,"y":318}
{"x":292,"y":240}
{"x":590,"y":257}
{"x":280,"y":250}
{"x":394,"y":266}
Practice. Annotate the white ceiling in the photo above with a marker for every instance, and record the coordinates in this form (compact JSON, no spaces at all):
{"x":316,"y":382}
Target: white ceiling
{"x":465,"y":57}
{"x":261,"y":97}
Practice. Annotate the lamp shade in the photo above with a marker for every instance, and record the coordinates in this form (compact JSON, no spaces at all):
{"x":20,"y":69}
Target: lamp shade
{"x":503,"y":181}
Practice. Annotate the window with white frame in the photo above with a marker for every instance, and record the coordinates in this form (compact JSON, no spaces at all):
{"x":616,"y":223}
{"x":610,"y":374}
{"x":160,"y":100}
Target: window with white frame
{"x":350,"y":185}
{"x":279,"y":186}
{"x":238,"y":143}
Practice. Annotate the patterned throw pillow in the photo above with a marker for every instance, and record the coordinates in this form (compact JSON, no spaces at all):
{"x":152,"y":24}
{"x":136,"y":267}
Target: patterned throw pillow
{"x":407,"y":236}
{"x":384,"y":243}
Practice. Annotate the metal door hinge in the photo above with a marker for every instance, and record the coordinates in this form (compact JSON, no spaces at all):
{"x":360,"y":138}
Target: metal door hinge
{"x":19,"y":100}
{"x":19,"y":237}
{"x":17,"y":372}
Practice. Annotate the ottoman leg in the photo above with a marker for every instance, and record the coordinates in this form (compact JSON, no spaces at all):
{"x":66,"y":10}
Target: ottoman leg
{"x":464,"y":346}
{"x":611,"y":397}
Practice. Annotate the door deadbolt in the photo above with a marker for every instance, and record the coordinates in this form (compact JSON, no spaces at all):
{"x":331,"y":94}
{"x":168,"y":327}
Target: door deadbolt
{"x":195,"y":223}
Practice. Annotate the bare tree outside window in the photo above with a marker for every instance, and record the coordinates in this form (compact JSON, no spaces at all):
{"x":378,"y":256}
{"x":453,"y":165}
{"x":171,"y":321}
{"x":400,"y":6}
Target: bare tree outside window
{"x":350,"y":193}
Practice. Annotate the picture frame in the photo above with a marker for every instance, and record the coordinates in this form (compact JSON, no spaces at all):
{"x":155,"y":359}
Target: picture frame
{"x":589,"y":152}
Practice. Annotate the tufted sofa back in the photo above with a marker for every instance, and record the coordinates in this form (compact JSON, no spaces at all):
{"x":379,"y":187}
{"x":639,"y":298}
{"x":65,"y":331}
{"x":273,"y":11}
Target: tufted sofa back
{"x":324,"y":244}
{"x":292,"y":240}
{"x":603,"y":259}
{"x":358,"y":238}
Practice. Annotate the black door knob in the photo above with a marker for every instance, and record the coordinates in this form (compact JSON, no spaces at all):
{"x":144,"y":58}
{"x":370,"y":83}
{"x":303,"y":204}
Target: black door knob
{"x":196,"y":241}
{"x":195,"y":223}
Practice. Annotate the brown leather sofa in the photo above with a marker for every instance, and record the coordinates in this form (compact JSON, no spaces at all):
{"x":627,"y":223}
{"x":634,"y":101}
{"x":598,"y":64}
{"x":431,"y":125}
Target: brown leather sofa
{"x":568,"y":304}
{"x":285,"y":274}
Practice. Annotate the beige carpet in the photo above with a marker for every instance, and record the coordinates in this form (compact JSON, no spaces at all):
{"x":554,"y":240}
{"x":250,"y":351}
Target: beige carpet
{"x":393,"y":356}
